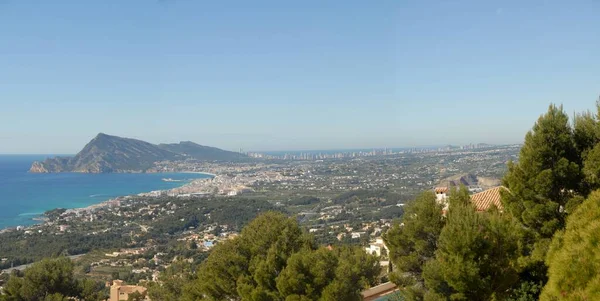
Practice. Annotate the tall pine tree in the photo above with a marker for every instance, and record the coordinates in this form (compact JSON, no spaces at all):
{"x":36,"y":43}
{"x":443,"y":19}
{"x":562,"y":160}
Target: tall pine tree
{"x":476,"y":257}
{"x":544,"y":185}
{"x":547,"y":176}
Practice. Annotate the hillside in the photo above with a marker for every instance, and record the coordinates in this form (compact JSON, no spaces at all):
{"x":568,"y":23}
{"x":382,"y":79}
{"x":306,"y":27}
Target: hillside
{"x":468,"y":179}
{"x":201,"y":152}
{"x":106,"y":154}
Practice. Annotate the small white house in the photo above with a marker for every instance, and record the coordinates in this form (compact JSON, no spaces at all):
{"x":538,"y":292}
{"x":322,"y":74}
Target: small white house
{"x":441,"y":195}
{"x":373,"y":250}
{"x":357,"y":234}
{"x":376,"y":247}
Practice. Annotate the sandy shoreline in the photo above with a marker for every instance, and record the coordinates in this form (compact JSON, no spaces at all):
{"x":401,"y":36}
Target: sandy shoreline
{"x":119,"y":198}
{"x":199,"y":172}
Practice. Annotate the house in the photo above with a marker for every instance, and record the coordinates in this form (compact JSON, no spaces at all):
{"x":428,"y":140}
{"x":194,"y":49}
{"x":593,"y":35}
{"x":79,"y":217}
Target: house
{"x":441,"y":196}
{"x":376,"y":247}
{"x":482,"y":200}
{"x":119,"y":291}
{"x":357,"y":234}
{"x":486,"y":199}
{"x":373,"y":250}
{"x":441,"y":193}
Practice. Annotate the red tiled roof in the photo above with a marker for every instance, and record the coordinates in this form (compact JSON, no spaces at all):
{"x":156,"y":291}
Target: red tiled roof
{"x":441,"y":189}
{"x":486,"y":199}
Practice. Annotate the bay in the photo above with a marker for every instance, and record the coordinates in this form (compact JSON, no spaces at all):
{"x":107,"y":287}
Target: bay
{"x":25,"y":195}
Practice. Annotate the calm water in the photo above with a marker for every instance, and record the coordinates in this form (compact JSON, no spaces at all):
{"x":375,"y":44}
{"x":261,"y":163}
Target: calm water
{"x":24,"y":195}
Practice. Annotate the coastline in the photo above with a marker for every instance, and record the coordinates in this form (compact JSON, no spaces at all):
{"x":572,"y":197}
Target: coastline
{"x":199,"y":172}
{"x":117,"y":199}
{"x":40,"y":219}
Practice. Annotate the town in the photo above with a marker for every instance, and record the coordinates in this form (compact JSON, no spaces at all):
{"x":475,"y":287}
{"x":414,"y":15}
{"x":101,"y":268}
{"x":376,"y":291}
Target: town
{"x":342,"y":200}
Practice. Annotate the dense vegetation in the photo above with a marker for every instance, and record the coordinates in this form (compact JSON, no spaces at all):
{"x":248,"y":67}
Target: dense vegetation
{"x":573,"y":256}
{"x":272,"y":259}
{"x":413,"y":243}
{"x":52,"y":280}
{"x":21,"y":248}
{"x":543,"y":239}
{"x":111,"y":231}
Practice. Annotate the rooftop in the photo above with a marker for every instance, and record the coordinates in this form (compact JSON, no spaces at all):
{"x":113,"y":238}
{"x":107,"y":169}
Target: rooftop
{"x":486,"y":199}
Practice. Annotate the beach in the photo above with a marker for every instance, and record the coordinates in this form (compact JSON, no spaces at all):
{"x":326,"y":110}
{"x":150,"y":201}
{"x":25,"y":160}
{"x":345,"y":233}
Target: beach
{"x":25,"y":196}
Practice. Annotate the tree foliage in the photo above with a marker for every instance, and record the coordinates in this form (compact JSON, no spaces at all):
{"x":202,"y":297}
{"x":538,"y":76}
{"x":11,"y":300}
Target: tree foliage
{"x":136,"y":296}
{"x":175,"y":283}
{"x":574,"y":268}
{"x":413,"y":242}
{"x":547,"y":175}
{"x":51,"y":279}
{"x":269,"y":256}
{"x":558,"y":166}
{"x":476,"y":257}
{"x":327,"y":275}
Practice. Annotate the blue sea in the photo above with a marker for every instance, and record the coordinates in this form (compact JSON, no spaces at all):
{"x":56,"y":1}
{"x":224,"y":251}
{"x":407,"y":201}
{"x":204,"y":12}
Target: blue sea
{"x":24,"y":195}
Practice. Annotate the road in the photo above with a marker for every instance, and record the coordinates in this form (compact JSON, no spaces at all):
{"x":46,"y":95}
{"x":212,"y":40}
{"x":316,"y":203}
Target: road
{"x":23,"y":267}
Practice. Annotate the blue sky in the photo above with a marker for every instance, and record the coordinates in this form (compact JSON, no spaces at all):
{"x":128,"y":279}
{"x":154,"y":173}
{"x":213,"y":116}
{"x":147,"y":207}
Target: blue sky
{"x":281,"y":75}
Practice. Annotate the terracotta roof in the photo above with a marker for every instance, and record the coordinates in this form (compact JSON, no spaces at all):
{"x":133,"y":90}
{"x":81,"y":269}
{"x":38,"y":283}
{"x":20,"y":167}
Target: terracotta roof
{"x":441,"y":189}
{"x":485,"y":199}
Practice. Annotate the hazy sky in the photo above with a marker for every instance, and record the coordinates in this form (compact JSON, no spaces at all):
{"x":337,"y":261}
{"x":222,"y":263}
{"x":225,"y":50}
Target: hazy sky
{"x":284,"y":75}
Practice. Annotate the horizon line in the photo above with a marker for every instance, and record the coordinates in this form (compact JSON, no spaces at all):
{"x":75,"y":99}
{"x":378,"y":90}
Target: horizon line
{"x":301,"y":150}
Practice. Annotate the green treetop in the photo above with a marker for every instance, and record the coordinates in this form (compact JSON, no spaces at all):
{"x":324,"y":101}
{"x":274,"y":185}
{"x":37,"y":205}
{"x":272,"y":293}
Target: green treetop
{"x":51,"y":279}
{"x":413,"y":242}
{"x":476,"y":257}
{"x":272,"y":259}
{"x":574,"y":268}
{"x":547,"y":175}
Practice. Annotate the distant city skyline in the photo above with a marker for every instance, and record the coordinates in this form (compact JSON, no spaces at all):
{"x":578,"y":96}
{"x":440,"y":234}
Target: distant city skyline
{"x":279,"y":76}
{"x":277,"y":152}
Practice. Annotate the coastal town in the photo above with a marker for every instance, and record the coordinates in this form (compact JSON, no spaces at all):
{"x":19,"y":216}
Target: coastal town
{"x":337,"y":200}
{"x":299,"y":151}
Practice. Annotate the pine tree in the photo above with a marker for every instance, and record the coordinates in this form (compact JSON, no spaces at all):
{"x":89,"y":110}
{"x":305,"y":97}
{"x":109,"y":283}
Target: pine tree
{"x":574,"y":267}
{"x":547,"y":175}
{"x":545,"y":185}
{"x":51,"y":279}
{"x":272,"y":259}
{"x":413,"y":242}
{"x":476,"y":257}
{"x":338,"y":274}
{"x":586,"y":135}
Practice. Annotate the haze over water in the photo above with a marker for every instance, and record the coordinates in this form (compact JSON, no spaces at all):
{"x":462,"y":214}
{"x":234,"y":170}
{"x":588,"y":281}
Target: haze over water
{"x":24,"y":195}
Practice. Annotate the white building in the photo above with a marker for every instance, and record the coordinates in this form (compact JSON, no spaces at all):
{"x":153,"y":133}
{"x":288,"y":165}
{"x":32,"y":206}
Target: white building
{"x":357,"y":234}
{"x":376,"y":247}
{"x":441,"y":195}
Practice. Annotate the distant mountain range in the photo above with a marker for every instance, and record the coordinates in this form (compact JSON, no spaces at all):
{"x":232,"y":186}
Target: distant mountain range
{"x":106,"y":154}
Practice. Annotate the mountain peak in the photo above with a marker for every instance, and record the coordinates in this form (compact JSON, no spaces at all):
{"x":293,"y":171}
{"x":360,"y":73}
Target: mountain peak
{"x":106,"y":153}
{"x":102,"y":136}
